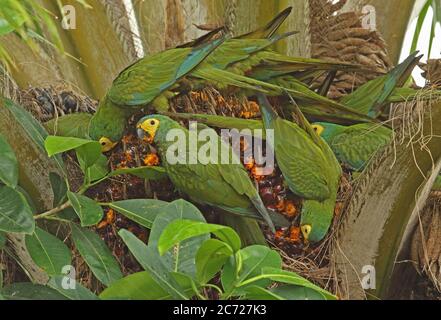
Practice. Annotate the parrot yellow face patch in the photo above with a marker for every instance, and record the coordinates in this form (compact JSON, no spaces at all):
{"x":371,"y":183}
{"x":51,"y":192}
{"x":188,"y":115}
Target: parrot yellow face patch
{"x":150,"y":126}
{"x":318,"y":129}
{"x":306,"y":231}
{"x":107,"y":144}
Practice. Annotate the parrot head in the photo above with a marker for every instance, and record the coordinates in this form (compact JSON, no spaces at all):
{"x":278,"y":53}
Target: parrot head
{"x":107,"y":125}
{"x":154,"y":125}
{"x":106,"y":144}
{"x":326,"y":130}
{"x":306,"y":231}
{"x":316,"y":219}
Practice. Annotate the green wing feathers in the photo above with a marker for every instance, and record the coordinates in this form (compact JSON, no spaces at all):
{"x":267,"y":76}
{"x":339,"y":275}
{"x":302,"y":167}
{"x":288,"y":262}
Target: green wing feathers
{"x":271,"y":28}
{"x":145,"y":80}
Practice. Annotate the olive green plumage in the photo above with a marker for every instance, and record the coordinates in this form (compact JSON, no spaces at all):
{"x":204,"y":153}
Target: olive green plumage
{"x":248,"y":62}
{"x":151,"y":80}
{"x":372,"y":97}
{"x":309,"y":167}
{"x":354,"y":145}
{"x":223,"y":185}
{"x":155,"y":79}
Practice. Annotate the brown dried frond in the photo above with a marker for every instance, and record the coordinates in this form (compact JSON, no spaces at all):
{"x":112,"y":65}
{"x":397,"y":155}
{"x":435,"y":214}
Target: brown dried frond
{"x":425,"y":249}
{"x":341,"y":37}
{"x":432,"y":72}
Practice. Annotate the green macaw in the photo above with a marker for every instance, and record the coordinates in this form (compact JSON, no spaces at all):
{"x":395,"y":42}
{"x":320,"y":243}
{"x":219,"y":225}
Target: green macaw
{"x":354,"y":145}
{"x":309,"y":167}
{"x":217,"y":183}
{"x":155,"y":79}
{"x":372,"y":97}
{"x":151,"y":80}
{"x":250,"y":54}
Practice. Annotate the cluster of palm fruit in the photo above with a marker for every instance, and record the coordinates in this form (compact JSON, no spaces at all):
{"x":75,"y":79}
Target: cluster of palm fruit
{"x":50,"y":102}
{"x":274,"y":92}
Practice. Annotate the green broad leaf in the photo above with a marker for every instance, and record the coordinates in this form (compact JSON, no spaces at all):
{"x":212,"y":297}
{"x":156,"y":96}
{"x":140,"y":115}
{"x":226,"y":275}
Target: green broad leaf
{"x":48,"y":252}
{"x":59,"y":188}
{"x":253,"y":260}
{"x":8,"y":164}
{"x":149,"y":173}
{"x":70,"y":288}
{"x":259,"y":293}
{"x":149,"y":259}
{"x":137,"y":286}
{"x":284,"y":292}
{"x":55,"y":145}
{"x":279,"y":275}
{"x":210,"y":258}
{"x":88,"y":154}
{"x":68,"y":214}
{"x":141,"y":286}
{"x":142,"y":211}
{"x":70,"y":125}
{"x":88,"y":210}
{"x":98,"y":170}
{"x":182,"y":258}
{"x":3,"y":240}
{"x":175,"y":210}
{"x":32,"y":127}
{"x":30,"y":291}
{"x":291,"y":292}
{"x":96,"y":254}
{"x":180,"y":230}
{"x":15,"y":212}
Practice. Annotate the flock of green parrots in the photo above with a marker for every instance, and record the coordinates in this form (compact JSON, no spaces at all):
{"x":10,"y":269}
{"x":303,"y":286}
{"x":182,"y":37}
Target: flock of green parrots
{"x":309,"y":155}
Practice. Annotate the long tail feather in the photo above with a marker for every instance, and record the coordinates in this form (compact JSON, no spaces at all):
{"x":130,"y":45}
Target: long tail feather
{"x":268,"y":113}
{"x":271,"y":28}
{"x":300,"y":91}
{"x":396,"y":78}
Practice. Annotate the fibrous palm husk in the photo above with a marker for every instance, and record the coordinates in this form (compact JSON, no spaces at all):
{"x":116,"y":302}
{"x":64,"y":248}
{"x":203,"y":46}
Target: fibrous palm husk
{"x":341,"y":37}
{"x":426,"y":249}
{"x":432,"y":73}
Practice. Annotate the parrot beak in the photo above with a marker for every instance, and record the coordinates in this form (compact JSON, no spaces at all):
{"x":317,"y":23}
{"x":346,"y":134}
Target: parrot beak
{"x":107,"y":144}
{"x":140,"y":133}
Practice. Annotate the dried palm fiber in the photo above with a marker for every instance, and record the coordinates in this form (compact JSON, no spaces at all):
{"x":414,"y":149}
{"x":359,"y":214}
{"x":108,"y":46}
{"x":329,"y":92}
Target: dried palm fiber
{"x":341,"y":37}
{"x":426,"y":249}
{"x":432,"y":73}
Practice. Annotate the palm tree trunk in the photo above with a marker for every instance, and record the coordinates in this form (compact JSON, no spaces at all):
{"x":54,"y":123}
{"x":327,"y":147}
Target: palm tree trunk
{"x":384,"y":207}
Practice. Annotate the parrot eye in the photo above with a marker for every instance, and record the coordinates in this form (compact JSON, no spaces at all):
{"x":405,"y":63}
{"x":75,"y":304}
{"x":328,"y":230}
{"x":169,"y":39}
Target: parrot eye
{"x":318,"y":129}
{"x":306,"y":230}
{"x":152,"y":122}
{"x":106,"y":144}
